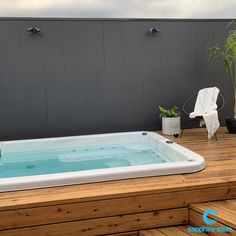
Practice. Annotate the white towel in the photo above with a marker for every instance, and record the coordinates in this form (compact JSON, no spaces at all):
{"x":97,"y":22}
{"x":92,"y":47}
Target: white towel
{"x":206,"y":106}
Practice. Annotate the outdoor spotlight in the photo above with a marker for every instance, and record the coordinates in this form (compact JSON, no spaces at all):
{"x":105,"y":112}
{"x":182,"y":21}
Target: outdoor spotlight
{"x":33,"y":29}
{"x":153,"y":30}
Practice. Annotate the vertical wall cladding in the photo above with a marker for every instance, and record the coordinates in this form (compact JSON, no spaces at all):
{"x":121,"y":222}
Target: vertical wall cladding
{"x":13,"y":112}
{"x":170,"y":52}
{"x":114,"y":76}
{"x":95,"y":76}
{"x":151,"y":59}
{"x":204,"y":39}
{"x":95,"y":80}
{"x":75,"y":72}
{"x":189,"y":84}
{"x":33,"y":77}
{"x":134,"y":75}
{"x":55,"y":78}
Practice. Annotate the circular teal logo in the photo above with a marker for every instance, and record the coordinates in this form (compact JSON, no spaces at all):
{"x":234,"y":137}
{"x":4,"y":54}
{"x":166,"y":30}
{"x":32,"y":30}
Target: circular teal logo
{"x":205,"y":216}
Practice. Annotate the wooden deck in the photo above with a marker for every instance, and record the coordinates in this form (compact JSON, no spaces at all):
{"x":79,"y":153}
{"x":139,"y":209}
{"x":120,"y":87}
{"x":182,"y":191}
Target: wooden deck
{"x":125,"y":205}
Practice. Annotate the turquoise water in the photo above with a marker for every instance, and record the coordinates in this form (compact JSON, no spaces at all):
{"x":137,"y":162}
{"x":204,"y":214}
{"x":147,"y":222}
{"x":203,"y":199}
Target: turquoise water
{"x":76,"y":159}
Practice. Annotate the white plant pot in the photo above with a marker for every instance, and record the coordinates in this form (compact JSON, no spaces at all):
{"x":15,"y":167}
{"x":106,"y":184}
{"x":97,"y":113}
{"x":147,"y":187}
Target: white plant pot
{"x":171,"y":125}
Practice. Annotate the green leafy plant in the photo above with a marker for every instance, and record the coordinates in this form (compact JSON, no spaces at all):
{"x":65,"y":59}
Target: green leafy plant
{"x":173,"y":112}
{"x":227,"y":53}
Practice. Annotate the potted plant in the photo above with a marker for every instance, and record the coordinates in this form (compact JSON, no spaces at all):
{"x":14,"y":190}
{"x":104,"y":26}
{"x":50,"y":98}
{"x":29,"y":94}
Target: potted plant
{"x":227,"y":53}
{"x":170,"y":120}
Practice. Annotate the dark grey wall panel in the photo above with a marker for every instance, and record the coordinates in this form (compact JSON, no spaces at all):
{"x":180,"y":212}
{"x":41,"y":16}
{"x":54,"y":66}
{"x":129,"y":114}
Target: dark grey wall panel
{"x":74,"y":62}
{"x":133,"y":66}
{"x":32,"y":66}
{"x":152,"y":93}
{"x":170,"y":75}
{"x":2,"y":116}
{"x":204,"y":38}
{"x":57,"y":107}
{"x":12,"y":84}
{"x":189,"y":83}
{"x":96,"y":83}
{"x":96,"y":76}
{"x":114,"y":75}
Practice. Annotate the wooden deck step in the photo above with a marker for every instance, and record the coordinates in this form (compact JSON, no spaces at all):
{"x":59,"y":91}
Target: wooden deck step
{"x":168,"y":231}
{"x":226,"y":214}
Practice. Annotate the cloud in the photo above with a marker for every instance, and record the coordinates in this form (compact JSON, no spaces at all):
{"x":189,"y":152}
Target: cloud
{"x":119,"y":8}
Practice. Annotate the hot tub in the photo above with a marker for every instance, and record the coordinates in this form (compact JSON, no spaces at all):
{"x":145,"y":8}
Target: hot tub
{"x":37,"y":163}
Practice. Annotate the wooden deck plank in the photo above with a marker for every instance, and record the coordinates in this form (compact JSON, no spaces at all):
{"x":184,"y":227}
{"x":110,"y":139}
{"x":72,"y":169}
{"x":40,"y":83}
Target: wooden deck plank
{"x":104,"y":208}
{"x":173,"y":231}
{"x":227,"y":205}
{"x":184,"y":228}
{"x":136,"y":187}
{"x":169,"y":231}
{"x":151,"y":232}
{"x":102,"y":226}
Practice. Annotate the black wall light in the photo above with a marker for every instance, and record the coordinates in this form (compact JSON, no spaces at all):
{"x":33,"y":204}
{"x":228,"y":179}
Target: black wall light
{"x":33,"y":30}
{"x":153,"y":30}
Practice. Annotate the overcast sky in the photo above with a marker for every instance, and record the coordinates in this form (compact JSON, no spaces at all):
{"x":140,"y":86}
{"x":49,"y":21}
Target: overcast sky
{"x":119,"y":8}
